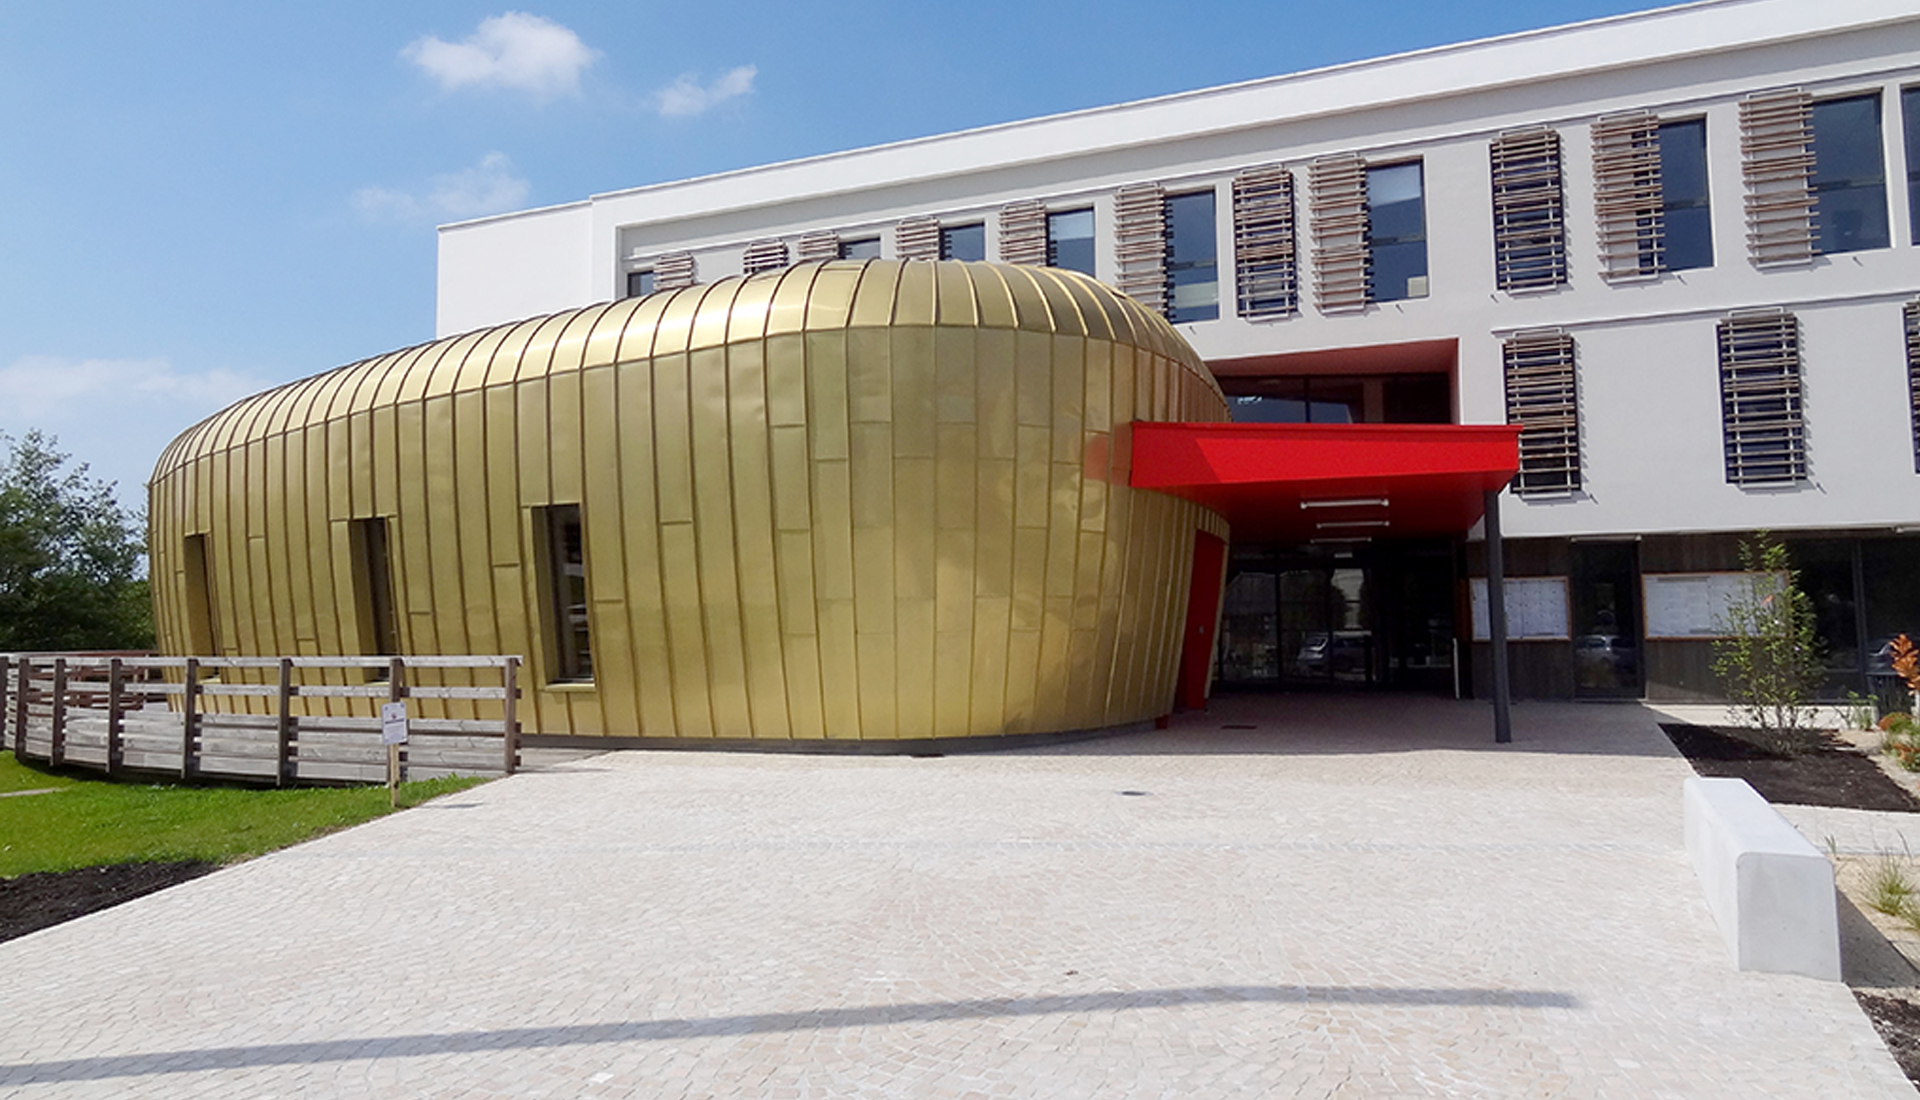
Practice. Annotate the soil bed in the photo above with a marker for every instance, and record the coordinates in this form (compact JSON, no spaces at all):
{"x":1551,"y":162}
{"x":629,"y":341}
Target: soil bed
{"x":43,"y":899}
{"x":1898,"y":1022}
{"x":1831,"y":774}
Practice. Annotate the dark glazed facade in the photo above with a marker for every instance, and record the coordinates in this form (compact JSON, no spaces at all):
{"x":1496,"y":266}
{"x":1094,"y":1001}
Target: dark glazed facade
{"x":875,"y":501}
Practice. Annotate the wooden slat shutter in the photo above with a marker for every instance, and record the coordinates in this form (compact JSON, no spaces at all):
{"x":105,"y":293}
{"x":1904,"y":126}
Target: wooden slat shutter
{"x":1337,"y":189}
{"x":822,"y":244}
{"x":1529,"y":217}
{"x":1023,"y":233}
{"x":1760,"y":408}
{"x":1626,"y":195}
{"x":674,"y":271}
{"x":917,"y":239}
{"x":764,"y":256}
{"x":1264,"y":255}
{"x":1776,"y":161}
{"x":1140,"y":244}
{"x":1541,"y":398}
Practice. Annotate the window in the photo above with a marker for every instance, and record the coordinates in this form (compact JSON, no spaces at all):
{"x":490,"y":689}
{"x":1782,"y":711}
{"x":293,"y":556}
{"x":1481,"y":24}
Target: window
{"x":1265,"y":275}
{"x":1023,"y":233}
{"x":373,"y":587}
{"x":862,"y":248}
{"x":1849,"y":175}
{"x":764,"y":256}
{"x":1337,"y":187}
{"x":1686,"y":221}
{"x":917,"y":239}
{"x":197,"y":573}
{"x":1776,"y":165}
{"x":1192,"y":259}
{"x":1396,"y":232}
{"x":1650,"y":195}
{"x":1910,"y":119}
{"x":1070,"y":240}
{"x":1760,"y":414}
{"x":1339,"y":399}
{"x":1140,"y":244}
{"x":564,"y":566}
{"x":963,"y":242}
{"x":639,"y":283}
{"x":1529,"y":230}
{"x":1542,"y":401}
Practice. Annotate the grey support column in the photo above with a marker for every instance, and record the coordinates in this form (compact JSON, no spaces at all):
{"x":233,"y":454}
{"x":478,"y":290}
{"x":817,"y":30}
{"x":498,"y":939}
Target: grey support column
{"x":1497,"y":620}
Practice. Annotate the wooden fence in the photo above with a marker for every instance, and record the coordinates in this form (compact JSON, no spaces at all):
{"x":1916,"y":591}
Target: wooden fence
{"x":267,"y":719}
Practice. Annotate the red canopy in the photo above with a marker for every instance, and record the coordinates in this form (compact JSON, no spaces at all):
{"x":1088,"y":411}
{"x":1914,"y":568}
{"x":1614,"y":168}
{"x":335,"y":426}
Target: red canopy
{"x":1299,"y":482}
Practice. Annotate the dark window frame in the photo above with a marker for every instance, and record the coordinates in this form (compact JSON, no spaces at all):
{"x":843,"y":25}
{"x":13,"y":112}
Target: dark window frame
{"x":1377,"y":243}
{"x":560,"y":542}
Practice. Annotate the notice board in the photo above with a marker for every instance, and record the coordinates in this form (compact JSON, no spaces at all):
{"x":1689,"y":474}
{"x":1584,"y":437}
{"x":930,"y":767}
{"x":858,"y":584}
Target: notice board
{"x":1694,"y":605}
{"x":1536,"y":609}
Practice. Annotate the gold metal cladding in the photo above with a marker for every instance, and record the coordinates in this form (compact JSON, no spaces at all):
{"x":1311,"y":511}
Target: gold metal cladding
{"x":870,"y":500}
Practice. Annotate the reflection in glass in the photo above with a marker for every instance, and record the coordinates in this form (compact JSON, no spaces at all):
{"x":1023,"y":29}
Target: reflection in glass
{"x":1687,"y":219}
{"x":1193,"y":270}
{"x":864,"y":248}
{"x":963,"y":242}
{"x":1849,"y":175}
{"x":1070,"y":240}
{"x":1397,"y":231}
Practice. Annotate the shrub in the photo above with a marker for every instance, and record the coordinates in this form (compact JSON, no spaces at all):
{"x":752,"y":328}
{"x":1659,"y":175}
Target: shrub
{"x":1769,"y":655}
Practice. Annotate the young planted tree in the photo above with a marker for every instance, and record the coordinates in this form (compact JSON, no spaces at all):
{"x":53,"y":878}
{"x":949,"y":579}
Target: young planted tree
{"x":72,"y":561}
{"x":1769,"y":658}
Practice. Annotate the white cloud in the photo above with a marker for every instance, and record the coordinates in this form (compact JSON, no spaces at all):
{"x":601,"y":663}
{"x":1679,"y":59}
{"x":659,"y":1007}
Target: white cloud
{"x":489,"y":187}
{"x":686,"y":96}
{"x":115,"y":415}
{"x":513,"y":50}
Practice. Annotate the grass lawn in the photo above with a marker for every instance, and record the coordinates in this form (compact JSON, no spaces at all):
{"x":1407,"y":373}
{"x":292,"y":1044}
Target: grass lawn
{"x":86,"y":822}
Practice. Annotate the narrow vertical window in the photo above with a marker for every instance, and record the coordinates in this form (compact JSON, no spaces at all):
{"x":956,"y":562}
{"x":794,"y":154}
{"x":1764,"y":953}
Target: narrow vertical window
{"x":1529,"y":218}
{"x":1264,"y":254}
{"x":764,"y":256}
{"x":197,"y":583}
{"x":1910,"y":120}
{"x":1760,"y":408}
{"x":373,"y":587}
{"x":1849,"y":175}
{"x":565,"y":581}
{"x":1192,"y":259}
{"x":963,"y":242}
{"x":640,"y":283}
{"x":1070,"y":240}
{"x":1542,"y":400}
{"x":1686,"y":219}
{"x":1397,"y":232}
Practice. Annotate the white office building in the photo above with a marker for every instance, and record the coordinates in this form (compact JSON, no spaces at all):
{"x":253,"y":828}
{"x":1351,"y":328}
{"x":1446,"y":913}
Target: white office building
{"x":1677,"y":248}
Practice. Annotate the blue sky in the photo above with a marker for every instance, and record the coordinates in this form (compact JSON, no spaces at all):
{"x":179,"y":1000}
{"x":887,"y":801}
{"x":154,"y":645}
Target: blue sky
{"x":200,"y":200}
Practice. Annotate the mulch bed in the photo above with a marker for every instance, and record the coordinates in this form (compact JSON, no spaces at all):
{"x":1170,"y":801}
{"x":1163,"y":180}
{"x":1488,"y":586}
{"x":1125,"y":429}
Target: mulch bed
{"x":1898,"y":1023}
{"x":29,"y":903}
{"x":1831,"y":774}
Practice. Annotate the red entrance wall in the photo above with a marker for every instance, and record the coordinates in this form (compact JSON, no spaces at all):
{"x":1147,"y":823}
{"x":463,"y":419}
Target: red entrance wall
{"x":1203,"y":613}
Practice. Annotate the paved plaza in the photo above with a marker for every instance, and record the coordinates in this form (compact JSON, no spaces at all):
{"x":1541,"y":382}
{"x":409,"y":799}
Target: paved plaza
{"x":1356,"y":897}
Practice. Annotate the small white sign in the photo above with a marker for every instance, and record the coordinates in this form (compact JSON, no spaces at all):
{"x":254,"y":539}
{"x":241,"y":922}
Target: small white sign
{"x":393,"y":723}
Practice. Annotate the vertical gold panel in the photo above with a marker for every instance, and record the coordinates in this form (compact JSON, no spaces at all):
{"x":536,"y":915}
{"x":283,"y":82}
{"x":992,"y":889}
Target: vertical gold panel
{"x":605,"y":532}
{"x":753,"y":493}
{"x":717,"y":551}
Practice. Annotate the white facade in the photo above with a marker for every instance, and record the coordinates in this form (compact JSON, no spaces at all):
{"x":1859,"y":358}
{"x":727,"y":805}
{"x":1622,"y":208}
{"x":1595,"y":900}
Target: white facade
{"x":1650,"y":418}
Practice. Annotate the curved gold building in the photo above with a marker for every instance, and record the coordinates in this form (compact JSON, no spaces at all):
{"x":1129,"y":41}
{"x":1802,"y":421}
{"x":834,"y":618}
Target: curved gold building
{"x":874,"y":501}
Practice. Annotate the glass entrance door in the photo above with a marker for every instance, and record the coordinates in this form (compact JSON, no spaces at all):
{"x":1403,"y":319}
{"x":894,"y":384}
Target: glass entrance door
{"x":1304,"y":617}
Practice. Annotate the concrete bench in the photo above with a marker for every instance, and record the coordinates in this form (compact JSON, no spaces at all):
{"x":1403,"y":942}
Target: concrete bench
{"x":1770,"y":890}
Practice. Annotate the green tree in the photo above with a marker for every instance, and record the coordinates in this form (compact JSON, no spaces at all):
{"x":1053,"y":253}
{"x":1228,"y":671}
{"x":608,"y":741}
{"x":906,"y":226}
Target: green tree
{"x":1770,"y":657}
{"x":72,"y":561}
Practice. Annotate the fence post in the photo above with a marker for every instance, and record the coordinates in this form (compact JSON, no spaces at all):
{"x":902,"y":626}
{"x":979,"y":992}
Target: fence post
{"x":57,"y":750}
{"x":396,"y":692}
{"x":6,"y":670}
{"x":114,"y":723}
{"x":20,"y":709}
{"x":284,"y":728}
{"x":510,"y":714}
{"x":190,"y":720}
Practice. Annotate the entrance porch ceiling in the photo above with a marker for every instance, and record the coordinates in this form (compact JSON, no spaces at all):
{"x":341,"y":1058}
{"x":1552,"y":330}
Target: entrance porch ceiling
{"x":1301,"y":482}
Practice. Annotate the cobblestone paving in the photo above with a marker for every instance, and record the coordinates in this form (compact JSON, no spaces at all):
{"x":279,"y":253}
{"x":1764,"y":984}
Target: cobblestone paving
{"x":1354,"y":898}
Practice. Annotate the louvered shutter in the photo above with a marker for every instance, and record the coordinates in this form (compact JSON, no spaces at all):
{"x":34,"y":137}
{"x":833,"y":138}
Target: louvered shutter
{"x":1264,"y":256}
{"x":1626,"y":195}
{"x":674,"y":271}
{"x":765,"y":256}
{"x":1776,"y":161}
{"x":1337,"y":189}
{"x":1023,"y":233}
{"x":1529,"y":226}
{"x":1140,"y":244}
{"x":1541,"y":399}
{"x":917,"y":239}
{"x":1912,"y":313}
{"x":1760,"y":408}
{"x":822,"y":244}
